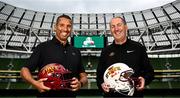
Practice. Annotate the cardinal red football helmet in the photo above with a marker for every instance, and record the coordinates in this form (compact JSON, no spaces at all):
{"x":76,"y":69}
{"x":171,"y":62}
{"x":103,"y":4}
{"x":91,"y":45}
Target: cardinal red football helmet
{"x":57,"y":76}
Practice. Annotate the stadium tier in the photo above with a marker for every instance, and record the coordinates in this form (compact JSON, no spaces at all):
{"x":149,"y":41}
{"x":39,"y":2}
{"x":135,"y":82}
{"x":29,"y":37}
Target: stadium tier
{"x":158,"y":29}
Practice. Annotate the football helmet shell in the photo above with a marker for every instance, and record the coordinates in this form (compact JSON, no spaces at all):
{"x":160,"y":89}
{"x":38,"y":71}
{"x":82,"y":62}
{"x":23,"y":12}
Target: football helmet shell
{"x":118,"y":77}
{"x":57,"y":76}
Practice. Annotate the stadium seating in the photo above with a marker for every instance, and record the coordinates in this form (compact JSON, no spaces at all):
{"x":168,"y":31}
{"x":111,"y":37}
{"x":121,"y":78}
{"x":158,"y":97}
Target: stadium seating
{"x":158,"y":29}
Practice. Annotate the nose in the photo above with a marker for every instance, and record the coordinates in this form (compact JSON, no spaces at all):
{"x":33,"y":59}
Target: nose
{"x":65,"y":28}
{"x":116,"y":28}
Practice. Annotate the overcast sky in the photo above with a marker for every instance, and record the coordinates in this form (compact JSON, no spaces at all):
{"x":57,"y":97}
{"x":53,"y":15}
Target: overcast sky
{"x":87,"y":6}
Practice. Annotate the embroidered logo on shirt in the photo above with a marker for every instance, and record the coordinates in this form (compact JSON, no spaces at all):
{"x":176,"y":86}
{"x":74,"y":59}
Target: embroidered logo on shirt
{"x":73,"y":53}
{"x":130,"y":51}
{"x":112,"y":54}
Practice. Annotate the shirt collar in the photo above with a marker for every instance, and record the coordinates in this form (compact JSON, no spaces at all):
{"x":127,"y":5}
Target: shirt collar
{"x":124,"y":44}
{"x":57,"y":42}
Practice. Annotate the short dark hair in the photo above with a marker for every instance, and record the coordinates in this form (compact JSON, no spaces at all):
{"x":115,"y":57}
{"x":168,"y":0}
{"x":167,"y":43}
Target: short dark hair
{"x":63,"y":16}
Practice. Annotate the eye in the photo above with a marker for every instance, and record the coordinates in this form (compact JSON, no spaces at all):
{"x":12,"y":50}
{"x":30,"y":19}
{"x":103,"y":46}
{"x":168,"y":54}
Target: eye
{"x":119,"y":24}
{"x":69,"y":26}
{"x":112,"y":26}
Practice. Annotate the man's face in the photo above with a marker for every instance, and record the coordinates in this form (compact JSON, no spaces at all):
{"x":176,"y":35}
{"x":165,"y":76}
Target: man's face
{"x":118,"y":30}
{"x":63,"y":29}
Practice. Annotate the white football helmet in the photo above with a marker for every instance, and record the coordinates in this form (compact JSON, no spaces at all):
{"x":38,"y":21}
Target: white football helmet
{"x":117,"y":76}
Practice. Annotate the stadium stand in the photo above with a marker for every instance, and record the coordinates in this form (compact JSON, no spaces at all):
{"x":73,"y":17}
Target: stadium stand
{"x":21,"y":30}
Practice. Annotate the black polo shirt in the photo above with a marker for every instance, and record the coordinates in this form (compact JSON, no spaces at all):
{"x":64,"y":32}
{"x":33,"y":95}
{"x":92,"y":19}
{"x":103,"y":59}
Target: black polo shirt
{"x":54,"y":52}
{"x":131,"y":53}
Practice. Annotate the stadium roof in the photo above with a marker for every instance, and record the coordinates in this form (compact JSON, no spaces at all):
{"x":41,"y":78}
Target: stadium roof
{"x":87,"y":6}
{"x":157,"y":28}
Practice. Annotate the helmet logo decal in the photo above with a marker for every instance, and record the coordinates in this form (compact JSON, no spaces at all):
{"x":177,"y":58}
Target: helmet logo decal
{"x":50,"y":69}
{"x":111,"y":54}
{"x":112,"y":71}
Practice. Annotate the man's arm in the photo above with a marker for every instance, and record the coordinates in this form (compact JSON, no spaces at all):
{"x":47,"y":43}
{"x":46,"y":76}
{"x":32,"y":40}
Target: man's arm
{"x":83,"y":79}
{"x":147,"y":70}
{"x":26,"y":75}
{"x":77,"y":84}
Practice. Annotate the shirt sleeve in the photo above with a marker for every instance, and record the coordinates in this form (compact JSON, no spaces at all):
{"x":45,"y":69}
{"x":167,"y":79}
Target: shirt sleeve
{"x":147,"y":70}
{"x":34,"y":59}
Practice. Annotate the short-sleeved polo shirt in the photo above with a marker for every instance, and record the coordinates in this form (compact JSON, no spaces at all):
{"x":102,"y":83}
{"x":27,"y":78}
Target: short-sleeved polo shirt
{"x":54,"y":52}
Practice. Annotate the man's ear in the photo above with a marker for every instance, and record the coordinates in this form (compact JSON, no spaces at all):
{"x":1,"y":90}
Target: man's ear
{"x":54,"y":29}
{"x":126,"y":27}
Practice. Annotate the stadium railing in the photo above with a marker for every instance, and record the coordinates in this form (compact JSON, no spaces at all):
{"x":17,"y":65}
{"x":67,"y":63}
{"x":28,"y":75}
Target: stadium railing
{"x":159,"y":74}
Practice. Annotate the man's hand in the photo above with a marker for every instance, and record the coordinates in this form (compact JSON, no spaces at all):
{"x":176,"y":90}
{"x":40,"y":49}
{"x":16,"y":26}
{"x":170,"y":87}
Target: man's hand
{"x":105,"y":87}
{"x":75,"y":84}
{"x":141,"y":84}
{"x":40,"y":85}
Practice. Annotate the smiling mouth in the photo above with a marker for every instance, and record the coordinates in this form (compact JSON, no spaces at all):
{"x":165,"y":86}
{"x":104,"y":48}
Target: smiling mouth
{"x":64,"y":34}
{"x":118,"y":33}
